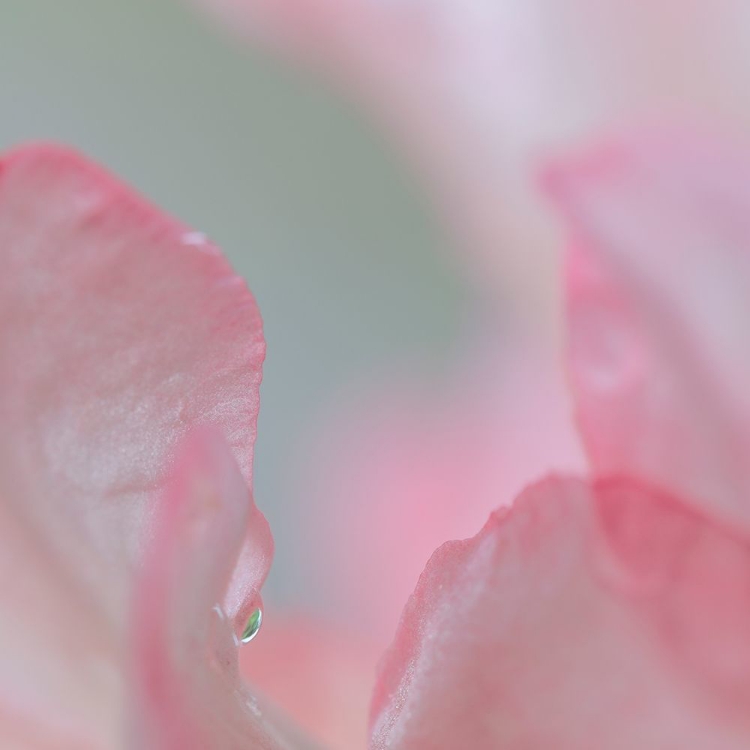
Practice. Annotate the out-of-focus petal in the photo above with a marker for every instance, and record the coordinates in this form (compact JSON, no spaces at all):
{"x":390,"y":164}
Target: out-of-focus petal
{"x":119,"y":329}
{"x":186,"y":685}
{"x":659,"y":299}
{"x":404,"y":468}
{"x":602,"y":616}
{"x":477,"y":90}
{"x":320,"y":675}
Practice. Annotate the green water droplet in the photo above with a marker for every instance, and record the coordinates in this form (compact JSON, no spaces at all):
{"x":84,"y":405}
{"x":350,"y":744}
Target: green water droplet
{"x":252,"y":626}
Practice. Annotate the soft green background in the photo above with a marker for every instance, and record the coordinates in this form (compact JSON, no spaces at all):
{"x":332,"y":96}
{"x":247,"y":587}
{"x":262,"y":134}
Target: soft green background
{"x":310,"y":205}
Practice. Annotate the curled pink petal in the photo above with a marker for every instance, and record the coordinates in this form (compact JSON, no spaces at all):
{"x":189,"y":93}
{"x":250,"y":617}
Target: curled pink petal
{"x":659,"y":292}
{"x":603,"y":616}
{"x":119,"y":329}
{"x":187,"y":691}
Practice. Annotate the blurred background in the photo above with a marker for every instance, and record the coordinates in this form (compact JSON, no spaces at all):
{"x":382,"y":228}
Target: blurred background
{"x":390,"y":224}
{"x":310,"y":204}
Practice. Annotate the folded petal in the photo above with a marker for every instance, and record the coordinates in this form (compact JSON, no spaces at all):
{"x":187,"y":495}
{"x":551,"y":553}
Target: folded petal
{"x":186,"y":688}
{"x":607,"y":616}
{"x":659,"y":296}
{"x":119,"y":329}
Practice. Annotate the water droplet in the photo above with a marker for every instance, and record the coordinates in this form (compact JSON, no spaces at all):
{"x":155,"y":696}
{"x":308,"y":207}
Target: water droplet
{"x":252,"y":626}
{"x":246,"y":618}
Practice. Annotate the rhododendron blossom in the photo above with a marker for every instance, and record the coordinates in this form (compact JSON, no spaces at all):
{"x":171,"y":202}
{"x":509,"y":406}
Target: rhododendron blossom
{"x":609,"y":611}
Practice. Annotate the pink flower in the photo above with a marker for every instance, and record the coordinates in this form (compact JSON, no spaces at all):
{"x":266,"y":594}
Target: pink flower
{"x":611,"y":612}
{"x":476,"y":93}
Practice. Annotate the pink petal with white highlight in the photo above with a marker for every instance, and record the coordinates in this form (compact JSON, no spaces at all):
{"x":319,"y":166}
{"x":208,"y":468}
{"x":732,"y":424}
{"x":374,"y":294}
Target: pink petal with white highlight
{"x":117,"y":335}
{"x":601,"y":616}
{"x":659,"y":298}
{"x":187,"y":690}
{"x":119,"y":331}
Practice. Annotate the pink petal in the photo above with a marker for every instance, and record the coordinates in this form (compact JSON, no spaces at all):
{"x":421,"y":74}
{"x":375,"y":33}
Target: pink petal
{"x":320,"y":675}
{"x":187,"y":691}
{"x":405,"y":466}
{"x":120,"y":329}
{"x":59,"y":686}
{"x":659,"y":296}
{"x":602,"y":616}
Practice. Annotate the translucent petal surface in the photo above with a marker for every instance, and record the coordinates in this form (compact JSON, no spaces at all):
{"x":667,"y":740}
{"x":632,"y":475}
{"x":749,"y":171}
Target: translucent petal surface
{"x":187,"y":691}
{"x":659,"y":298}
{"x":59,"y":685}
{"x":600,"y":617}
{"x":117,"y":332}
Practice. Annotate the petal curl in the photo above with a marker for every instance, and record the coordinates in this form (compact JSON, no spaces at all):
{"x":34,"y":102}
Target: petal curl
{"x":187,"y":690}
{"x":603,"y":616}
{"x":659,"y":296}
{"x":119,"y":329}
